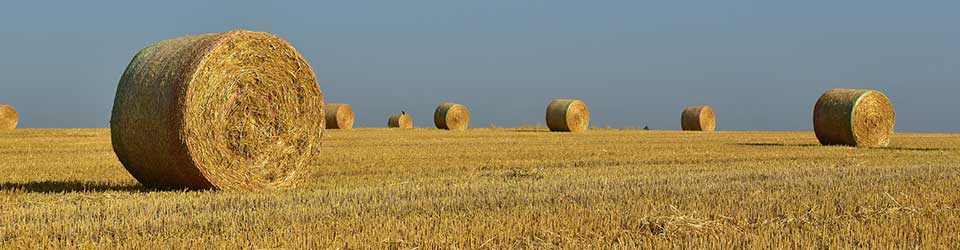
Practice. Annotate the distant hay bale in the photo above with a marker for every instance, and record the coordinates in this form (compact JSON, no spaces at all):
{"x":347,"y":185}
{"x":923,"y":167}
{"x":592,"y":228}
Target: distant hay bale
{"x":8,"y":117}
{"x":698,"y":118}
{"x":338,"y":115}
{"x":400,"y":121}
{"x":239,"y":110}
{"x":568,"y":115}
{"x":854,"y":117}
{"x":451,"y":116}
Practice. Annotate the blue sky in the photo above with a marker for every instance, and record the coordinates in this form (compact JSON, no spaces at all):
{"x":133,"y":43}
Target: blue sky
{"x":760,"y":64}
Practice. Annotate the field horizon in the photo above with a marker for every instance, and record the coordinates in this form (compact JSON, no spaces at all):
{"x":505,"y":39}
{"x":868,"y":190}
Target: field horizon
{"x":503,"y":188}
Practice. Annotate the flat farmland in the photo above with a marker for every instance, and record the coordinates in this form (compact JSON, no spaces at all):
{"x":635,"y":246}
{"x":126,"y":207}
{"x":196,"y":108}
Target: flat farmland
{"x":504,"y":188}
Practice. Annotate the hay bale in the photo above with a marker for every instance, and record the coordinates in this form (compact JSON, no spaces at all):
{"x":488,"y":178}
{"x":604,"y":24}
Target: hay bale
{"x":400,"y":121}
{"x":698,"y":118}
{"x":338,"y":115}
{"x":451,"y":116}
{"x":234,"y":110}
{"x":854,"y":117}
{"x":568,"y":115}
{"x":8,"y":117}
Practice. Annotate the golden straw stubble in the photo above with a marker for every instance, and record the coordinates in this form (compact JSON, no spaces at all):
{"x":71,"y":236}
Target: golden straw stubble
{"x":568,"y":115}
{"x":239,"y":110}
{"x":698,"y":118}
{"x":400,"y":121}
{"x":8,"y":117}
{"x":854,"y":117}
{"x":452,"y":116}
{"x":338,"y":115}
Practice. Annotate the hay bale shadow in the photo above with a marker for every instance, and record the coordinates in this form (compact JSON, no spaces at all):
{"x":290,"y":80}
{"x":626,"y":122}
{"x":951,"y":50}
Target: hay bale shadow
{"x":818,"y":145}
{"x":756,"y":144}
{"x":523,"y":130}
{"x":70,"y":187}
{"x":916,"y":149}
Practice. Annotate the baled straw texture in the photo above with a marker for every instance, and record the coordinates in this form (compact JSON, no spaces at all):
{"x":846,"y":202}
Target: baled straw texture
{"x":451,"y":116}
{"x":338,"y":115}
{"x":854,"y":117}
{"x":568,"y":115}
{"x":239,"y":110}
{"x":8,"y":117}
{"x":400,"y":121}
{"x":698,"y":118}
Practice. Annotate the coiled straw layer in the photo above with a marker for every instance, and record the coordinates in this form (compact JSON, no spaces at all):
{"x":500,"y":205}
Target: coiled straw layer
{"x":338,"y":115}
{"x":8,"y":117}
{"x":234,"y":110}
{"x":854,"y":117}
{"x":451,"y":116}
{"x":698,"y":118}
{"x":568,"y":115}
{"x":400,"y":121}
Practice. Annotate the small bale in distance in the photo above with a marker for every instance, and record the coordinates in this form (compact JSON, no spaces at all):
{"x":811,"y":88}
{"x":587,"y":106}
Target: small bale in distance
{"x":400,"y":121}
{"x":854,"y":117}
{"x":568,"y":115}
{"x":452,"y":116}
{"x":698,"y":118}
{"x":238,"y":110}
{"x":8,"y":117}
{"x":338,"y":115}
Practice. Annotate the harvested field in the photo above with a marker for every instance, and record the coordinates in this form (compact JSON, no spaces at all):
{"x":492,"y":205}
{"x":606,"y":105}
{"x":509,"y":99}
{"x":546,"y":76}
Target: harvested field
{"x":504,"y":189}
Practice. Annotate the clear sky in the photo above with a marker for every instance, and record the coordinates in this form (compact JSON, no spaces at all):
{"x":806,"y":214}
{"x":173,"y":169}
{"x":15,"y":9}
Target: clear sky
{"x":761,"y":64}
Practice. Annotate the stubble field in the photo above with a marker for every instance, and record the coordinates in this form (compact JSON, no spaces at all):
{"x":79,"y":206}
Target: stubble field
{"x":503,"y":189}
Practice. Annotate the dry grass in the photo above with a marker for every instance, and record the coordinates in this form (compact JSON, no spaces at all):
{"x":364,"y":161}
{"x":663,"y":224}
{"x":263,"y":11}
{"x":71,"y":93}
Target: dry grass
{"x":504,"y":189}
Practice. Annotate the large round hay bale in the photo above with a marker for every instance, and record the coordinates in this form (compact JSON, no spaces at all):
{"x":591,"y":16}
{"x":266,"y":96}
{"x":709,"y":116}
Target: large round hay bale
{"x":451,"y":116}
{"x":234,"y":110}
{"x":338,"y":115}
{"x":400,"y":121}
{"x":568,"y":115}
{"x":698,"y":118}
{"x":8,"y":117}
{"x":854,"y":117}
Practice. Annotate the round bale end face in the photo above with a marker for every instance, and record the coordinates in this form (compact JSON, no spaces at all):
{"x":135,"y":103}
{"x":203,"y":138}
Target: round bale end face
{"x":9,"y":118}
{"x":568,"y":115}
{"x":873,"y":120}
{"x":239,"y":110}
{"x":451,"y":116}
{"x":854,"y":117}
